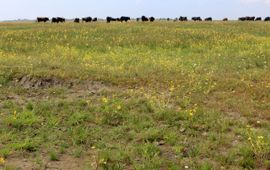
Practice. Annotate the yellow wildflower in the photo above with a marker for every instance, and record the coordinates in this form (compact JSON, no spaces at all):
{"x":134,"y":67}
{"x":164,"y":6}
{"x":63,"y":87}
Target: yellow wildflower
{"x":260,"y":137}
{"x":172,"y":88}
{"x":15,"y":114}
{"x":2,"y":160}
{"x":119,"y":107}
{"x":105,"y":100}
{"x":102,"y":161}
{"x":191,"y":113}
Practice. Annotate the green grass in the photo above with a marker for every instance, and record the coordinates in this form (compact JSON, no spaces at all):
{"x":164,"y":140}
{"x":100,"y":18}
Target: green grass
{"x":158,"y":95}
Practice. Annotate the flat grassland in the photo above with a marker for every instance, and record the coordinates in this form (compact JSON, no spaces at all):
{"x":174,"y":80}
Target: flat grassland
{"x":132,"y":95}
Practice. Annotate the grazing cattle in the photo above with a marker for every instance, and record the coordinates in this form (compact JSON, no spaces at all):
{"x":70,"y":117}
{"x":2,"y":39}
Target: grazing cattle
{"x":242,"y":19}
{"x":95,"y":19}
{"x":42,"y":19}
{"x":110,"y":19}
{"x":247,"y":18}
{"x":152,"y":19}
{"x":225,"y":19}
{"x":58,"y":19}
{"x":77,"y":20}
{"x":183,"y":18}
{"x":168,"y":19}
{"x":267,"y":19}
{"x":196,"y":18}
{"x":54,"y":20}
{"x":61,"y":19}
{"x":123,"y":18}
{"x":87,"y":19}
{"x":208,"y":19}
{"x":258,"y":19}
{"x":137,"y":19}
{"x":144,"y":19}
{"x":251,"y":18}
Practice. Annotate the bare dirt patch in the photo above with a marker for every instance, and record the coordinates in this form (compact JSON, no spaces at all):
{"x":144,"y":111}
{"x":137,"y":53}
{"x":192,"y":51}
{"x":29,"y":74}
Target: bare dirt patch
{"x":35,"y":83}
{"x":65,"y":162}
{"x":21,"y":164}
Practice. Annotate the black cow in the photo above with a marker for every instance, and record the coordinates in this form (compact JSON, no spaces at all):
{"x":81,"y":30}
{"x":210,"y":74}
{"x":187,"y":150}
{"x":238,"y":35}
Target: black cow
{"x":42,"y":19}
{"x":144,"y":19}
{"x":251,"y":18}
{"x":152,"y":19}
{"x":95,"y":19}
{"x":242,"y":19}
{"x":225,"y":19}
{"x":196,"y":18}
{"x":77,"y":20}
{"x":58,"y":19}
{"x":138,"y":19}
{"x":247,"y":18}
{"x":87,"y":19}
{"x":267,"y":19}
{"x":208,"y":19}
{"x":110,"y":19}
{"x":54,"y":20}
{"x":258,"y":19}
{"x":183,"y":18}
{"x":61,"y":19}
{"x":168,"y":19}
{"x":123,"y":18}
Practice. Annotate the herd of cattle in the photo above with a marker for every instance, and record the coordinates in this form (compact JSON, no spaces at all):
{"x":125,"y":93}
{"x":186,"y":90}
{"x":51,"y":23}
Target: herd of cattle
{"x":144,"y":19}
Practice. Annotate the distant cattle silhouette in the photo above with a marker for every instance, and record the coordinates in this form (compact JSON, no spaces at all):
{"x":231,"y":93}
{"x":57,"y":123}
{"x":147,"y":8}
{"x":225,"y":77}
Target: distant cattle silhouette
{"x":95,"y":19}
{"x":138,"y":19}
{"x":267,"y":19}
{"x":183,"y":18}
{"x":87,"y":19}
{"x":152,"y":19}
{"x":144,"y":19}
{"x":124,"y":18}
{"x":251,"y":18}
{"x":247,"y":18}
{"x":42,"y":19}
{"x":225,"y":19}
{"x":77,"y":20}
{"x":58,"y":19}
{"x":110,"y":19}
{"x":208,"y":19}
{"x":242,"y":18}
{"x":61,"y":19}
{"x":258,"y":19}
{"x":196,"y":18}
{"x":54,"y":20}
{"x":168,"y":19}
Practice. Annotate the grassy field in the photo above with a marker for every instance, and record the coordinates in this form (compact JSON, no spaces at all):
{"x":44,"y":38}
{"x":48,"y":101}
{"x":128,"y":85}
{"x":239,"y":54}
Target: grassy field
{"x":143,"y":96}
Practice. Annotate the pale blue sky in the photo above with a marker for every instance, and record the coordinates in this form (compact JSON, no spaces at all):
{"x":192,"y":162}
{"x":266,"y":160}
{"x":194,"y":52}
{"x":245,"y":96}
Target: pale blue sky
{"x":30,"y":9}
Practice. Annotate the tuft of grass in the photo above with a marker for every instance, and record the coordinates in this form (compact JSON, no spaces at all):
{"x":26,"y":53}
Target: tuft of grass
{"x":53,"y":156}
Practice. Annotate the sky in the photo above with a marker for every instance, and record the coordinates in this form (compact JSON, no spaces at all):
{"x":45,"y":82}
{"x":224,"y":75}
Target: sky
{"x":218,"y":9}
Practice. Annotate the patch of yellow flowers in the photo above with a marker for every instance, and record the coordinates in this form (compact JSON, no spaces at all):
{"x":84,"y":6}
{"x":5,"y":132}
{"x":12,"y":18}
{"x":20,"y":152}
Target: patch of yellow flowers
{"x":193,"y":111}
{"x":257,"y":143}
{"x":119,"y":107}
{"x":2,"y":161}
{"x":105,"y":100}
